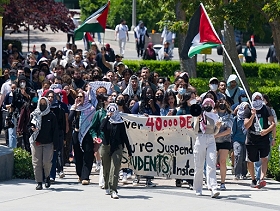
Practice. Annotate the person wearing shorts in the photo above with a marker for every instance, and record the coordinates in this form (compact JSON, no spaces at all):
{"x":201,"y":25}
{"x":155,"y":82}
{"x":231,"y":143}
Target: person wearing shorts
{"x":257,"y":140}
{"x":223,"y":138}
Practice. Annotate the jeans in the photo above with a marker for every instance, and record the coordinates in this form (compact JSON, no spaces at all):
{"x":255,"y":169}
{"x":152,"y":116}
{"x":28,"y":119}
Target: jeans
{"x":240,"y":164}
{"x":205,"y":148}
{"x":13,"y":134}
{"x":57,"y":161}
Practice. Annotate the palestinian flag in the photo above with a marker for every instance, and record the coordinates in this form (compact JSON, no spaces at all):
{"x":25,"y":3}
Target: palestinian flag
{"x":94,"y":23}
{"x":88,"y":39}
{"x":201,"y":34}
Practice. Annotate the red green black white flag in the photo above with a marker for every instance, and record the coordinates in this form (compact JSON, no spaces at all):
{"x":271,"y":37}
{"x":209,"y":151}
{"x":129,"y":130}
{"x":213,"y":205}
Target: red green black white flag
{"x":201,"y":34}
{"x":94,"y":23}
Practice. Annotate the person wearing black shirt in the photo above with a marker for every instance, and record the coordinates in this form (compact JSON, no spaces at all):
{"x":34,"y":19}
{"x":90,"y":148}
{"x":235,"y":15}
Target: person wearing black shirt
{"x":257,"y":141}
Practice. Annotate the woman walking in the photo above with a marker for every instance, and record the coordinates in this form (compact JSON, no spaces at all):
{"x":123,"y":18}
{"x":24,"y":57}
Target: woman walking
{"x":81,"y":114}
{"x":115,"y":138}
{"x":205,"y":148}
{"x":43,"y":124}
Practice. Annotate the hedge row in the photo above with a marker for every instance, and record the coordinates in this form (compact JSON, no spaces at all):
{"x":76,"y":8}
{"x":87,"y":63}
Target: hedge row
{"x":206,"y":69}
{"x":274,"y":164}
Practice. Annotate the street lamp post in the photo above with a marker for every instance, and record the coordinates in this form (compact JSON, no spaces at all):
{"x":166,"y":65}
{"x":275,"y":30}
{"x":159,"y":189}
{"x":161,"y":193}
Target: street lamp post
{"x":133,"y":15}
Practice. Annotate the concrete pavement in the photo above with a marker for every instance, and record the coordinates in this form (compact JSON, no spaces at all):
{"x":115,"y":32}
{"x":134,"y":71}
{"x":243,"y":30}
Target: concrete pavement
{"x":68,"y":194}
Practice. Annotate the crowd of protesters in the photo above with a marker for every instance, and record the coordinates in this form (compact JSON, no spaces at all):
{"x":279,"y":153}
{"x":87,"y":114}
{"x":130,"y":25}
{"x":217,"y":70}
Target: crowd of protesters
{"x":48,"y":109}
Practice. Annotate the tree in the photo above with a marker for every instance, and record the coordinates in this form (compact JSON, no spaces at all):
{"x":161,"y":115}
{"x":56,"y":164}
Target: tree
{"x":41,"y":15}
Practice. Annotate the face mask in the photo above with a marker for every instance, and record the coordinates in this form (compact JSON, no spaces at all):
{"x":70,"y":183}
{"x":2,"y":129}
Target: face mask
{"x":257,"y":104}
{"x":193,"y":101}
{"x":148,"y":97}
{"x":113,"y":99}
{"x":213,"y":87}
{"x":34,"y":99}
{"x":222,"y":106}
{"x":160,"y":85}
{"x":182,"y":91}
{"x":54,"y":74}
{"x":41,"y":78}
{"x":42,"y":107}
{"x":244,"y":99}
{"x":22,"y":85}
{"x":159,"y":98}
{"x":208,"y":108}
{"x":120,"y":102}
{"x":59,"y":56}
{"x":13,"y":77}
{"x":70,"y":56}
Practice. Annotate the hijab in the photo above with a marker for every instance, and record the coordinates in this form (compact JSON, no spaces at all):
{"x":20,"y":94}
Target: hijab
{"x":37,"y":115}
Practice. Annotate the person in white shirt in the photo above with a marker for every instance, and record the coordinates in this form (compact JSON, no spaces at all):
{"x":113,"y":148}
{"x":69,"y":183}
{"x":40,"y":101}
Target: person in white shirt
{"x":168,"y":36}
{"x":121,"y":31}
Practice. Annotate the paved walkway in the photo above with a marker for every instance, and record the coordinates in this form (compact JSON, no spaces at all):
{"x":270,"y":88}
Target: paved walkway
{"x":68,"y":194}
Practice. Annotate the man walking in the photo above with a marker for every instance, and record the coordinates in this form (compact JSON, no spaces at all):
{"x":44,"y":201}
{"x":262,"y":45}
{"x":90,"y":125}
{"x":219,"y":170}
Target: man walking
{"x":122,"y":31}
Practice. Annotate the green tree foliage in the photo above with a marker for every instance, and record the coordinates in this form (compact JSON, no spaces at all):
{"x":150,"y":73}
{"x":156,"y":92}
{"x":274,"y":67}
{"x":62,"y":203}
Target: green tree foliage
{"x":90,"y":6}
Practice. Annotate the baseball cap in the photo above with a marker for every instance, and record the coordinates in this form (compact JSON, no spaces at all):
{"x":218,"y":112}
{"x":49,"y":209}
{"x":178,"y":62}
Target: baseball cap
{"x":213,"y":79}
{"x":120,"y":63}
{"x":119,"y":55}
{"x":13,"y":71}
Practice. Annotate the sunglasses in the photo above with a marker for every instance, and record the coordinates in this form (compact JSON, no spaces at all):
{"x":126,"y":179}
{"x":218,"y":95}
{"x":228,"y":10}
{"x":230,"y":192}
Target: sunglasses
{"x":80,"y":96}
{"x":50,"y":96}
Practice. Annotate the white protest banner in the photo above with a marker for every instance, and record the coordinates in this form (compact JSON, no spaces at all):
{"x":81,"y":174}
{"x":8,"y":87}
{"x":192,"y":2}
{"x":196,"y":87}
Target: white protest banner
{"x":96,"y":84}
{"x":161,"y":145}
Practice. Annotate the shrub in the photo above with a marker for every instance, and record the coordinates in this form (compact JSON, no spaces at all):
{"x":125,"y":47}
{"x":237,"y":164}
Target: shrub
{"x":269,"y":71}
{"x":274,"y":162}
{"x":23,"y":168}
{"x":206,"y":69}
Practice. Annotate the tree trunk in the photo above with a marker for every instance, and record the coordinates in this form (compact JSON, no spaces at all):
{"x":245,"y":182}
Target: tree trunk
{"x":187,"y":65}
{"x":231,"y":49}
{"x":275,"y":27}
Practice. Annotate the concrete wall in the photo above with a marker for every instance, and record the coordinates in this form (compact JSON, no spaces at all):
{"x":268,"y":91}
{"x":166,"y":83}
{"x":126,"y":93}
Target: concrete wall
{"x":6,"y":163}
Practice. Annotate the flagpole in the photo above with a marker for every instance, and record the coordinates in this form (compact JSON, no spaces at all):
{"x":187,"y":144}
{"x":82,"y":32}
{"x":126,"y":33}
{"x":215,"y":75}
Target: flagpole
{"x":232,"y":64}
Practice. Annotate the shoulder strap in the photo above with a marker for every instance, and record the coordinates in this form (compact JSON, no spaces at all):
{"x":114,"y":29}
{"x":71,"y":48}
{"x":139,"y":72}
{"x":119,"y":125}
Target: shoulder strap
{"x":232,"y":97}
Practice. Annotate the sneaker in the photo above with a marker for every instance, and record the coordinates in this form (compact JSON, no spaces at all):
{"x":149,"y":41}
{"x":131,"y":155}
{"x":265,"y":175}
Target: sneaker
{"x":223,"y":187}
{"x":39,"y":186}
{"x":135,"y":181}
{"x":261,"y":184}
{"x":129,"y":176}
{"x":178,"y":183}
{"x":254,"y":184}
{"x":85,"y":182}
{"x":191,"y":186}
{"x":198,"y":193}
{"x":114,"y":195}
{"x":149,"y":183}
{"x":48,"y":182}
{"x":244,"y":177}
{"x":52,"y":180}
{"x":61,"y":174}
{"x":215,"y":193}
{"x":98,"y":167}
{"x":107,"y":192}
{"x":124,"y":179}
